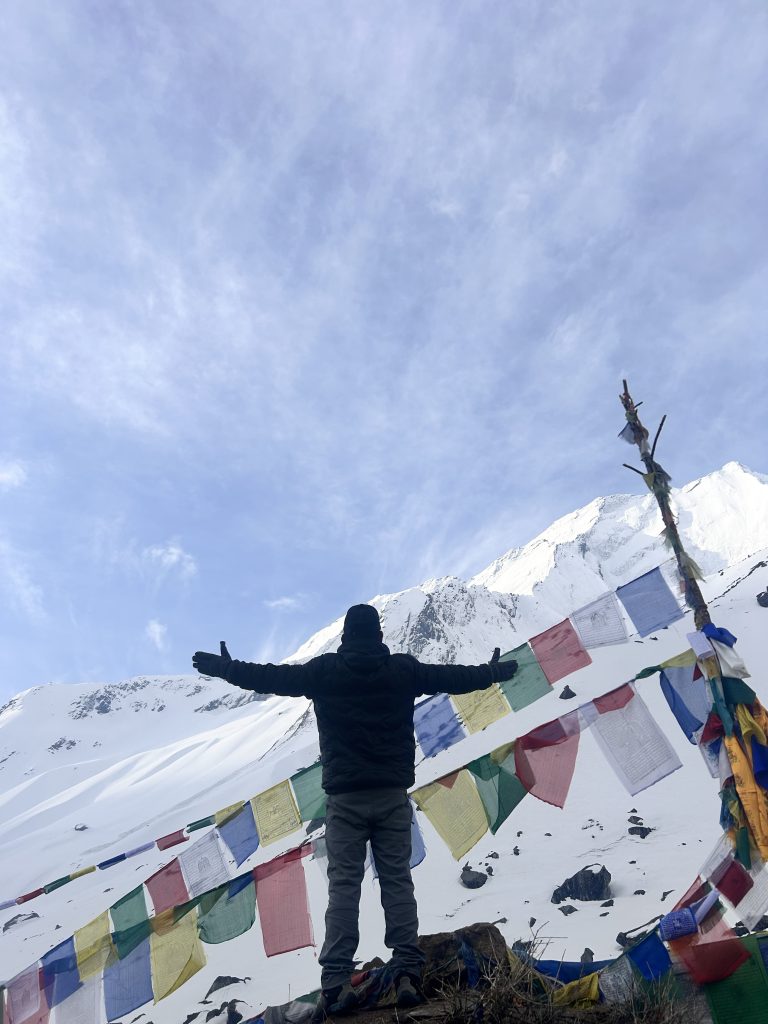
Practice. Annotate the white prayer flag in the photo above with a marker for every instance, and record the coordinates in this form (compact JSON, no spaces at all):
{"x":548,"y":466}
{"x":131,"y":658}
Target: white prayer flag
{"x":600,"y":623}
{"x":632,"y":742}
{"x":203,"y":864}
{"x":700,"y":644}
{"x":84,"y":1006}
{"x":731,"y":663}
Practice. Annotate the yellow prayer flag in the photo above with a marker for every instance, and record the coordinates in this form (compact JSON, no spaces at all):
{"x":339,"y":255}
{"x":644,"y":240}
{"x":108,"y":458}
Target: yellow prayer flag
{"x":749,"y":728}
{"x":276,"y":813}
{"x":481,"y":707}
{"x":710,"y":667}
{"x":680,"y":660}
{"x":83,"y":871}
{"x":457,"y":812}
{"x":580,"y":994}
{"x":753,"y":797}
{"x":227,"y":812}
{"x":175,"y":951}
{"x":94,"y":947}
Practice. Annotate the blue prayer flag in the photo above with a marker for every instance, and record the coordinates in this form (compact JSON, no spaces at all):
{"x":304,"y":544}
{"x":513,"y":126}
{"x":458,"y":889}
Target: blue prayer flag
{"x":436,"y":724}
{"x":650,"y":957}
{"x":128,"y":982}
{"x":111,"y":860}
{"x":687,"y":697}
{"x":649,"y":602}
{"x":240,"y":835}
{"x":61,"y":977}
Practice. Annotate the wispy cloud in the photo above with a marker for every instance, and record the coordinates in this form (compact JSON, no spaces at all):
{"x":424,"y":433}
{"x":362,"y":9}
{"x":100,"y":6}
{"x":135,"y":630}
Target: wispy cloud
{"x":157,"y":634}
{"x":22,"y":592}
{"x":170,"y":558}
{"x":285,"y":604}
{"x":12,"y":474}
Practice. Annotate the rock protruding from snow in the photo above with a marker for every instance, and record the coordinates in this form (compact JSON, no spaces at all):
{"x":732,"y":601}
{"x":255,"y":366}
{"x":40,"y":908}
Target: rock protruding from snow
{"x":590,"y":884}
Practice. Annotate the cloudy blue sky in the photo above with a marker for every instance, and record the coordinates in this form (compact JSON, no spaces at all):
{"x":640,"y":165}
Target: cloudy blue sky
{"x":301,"y":302}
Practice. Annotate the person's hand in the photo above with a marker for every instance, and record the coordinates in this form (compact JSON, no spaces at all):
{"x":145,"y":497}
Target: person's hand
{"x":502,"y":670}
{"x":212,"y":664}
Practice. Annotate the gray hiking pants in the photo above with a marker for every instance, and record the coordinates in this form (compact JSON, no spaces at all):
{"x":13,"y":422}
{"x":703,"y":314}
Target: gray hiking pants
{"x":382,"y":816}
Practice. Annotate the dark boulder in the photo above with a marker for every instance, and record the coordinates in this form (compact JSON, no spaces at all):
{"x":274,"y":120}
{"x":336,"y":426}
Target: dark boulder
{"x":472,"y":879}
{"x":640,"y":830}
{"x":591,"y":883}
{"x":567,"y":693}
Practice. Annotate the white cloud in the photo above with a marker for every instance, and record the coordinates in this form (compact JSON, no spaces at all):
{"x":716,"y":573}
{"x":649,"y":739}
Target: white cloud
{"x":157,"y":633}
{"x":171,"y":557}
{"x":285,"y":604}
{"x":12,"y":474}
{"x":23,"y":594}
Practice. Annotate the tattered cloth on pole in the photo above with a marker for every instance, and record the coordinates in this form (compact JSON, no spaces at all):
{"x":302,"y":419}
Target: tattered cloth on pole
{"x":545,"y":758}
{"x":687,"y":694}
{"x":754,"y":799}
{"x":559,"y":651}
{"x":649,"y":602}
{"x":436,"y":725}
{"x":632,"y":742}
{"x":455,"y":809}
{"x":600,"y":623}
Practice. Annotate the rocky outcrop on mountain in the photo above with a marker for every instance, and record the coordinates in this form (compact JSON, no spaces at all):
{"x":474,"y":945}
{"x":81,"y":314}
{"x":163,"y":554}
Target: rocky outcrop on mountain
{"x":590,"y":884}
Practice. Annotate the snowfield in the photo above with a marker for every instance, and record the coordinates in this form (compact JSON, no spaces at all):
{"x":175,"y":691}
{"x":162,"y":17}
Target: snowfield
{"x":90,"y":771}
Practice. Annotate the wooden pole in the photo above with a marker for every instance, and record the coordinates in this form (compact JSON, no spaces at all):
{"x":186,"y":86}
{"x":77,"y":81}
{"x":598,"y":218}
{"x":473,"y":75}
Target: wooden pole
{"x":658,"y":481}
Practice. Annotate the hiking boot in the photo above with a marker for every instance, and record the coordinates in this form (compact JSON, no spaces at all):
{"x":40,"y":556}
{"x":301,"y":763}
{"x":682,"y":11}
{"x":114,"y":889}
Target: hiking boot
{"x":336,"y":1002}
{"x":408,"y":991}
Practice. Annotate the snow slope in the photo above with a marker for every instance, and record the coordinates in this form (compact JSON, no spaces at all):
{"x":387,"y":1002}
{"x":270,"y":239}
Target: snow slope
{"x":140,"y":759}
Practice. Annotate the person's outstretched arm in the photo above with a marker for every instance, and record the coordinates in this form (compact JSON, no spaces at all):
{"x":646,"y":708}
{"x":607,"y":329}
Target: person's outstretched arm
{"x":462,"y":678}
{"x":283,"y":680}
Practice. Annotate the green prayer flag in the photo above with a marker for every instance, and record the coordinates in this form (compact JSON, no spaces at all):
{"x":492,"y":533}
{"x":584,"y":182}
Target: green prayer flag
{"x":228,"y":911}
{"x":499,"y":788}
{"x":309,"y":792}
{"x":57,"y":884}
{"x":130,"y":921}
{"x":743,"y":851}
{"x":650,"y":671}
{"x":528,"y":683}
{"x":736,"y":691}
{"x":201,"y":823}
{"x":742,"y":997}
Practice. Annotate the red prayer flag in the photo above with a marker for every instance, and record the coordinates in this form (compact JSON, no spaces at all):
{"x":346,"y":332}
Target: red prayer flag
{"x":173,"y":839}
{"x":712,"y":953}
{"x":167,"y":887}
{"x":26,"y":1001}
{"x":615,"y":700}
{"x":559,"y":651}
{"x":281,"y":897}
{"x":733,"y":881}
{"x":546,"y":757}
{"x":29,"y":895}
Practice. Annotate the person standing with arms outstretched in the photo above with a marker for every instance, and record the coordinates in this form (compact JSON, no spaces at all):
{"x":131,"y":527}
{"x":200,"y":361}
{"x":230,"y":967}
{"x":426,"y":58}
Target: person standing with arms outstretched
{"x":363,"y":698}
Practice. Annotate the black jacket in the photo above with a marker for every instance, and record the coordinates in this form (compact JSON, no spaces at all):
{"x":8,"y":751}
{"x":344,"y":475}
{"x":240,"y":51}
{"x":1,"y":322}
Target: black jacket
{"x":363,"y":698}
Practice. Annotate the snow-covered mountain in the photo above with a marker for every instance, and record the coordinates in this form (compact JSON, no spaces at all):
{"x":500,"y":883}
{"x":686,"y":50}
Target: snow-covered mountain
{"x":88,"y":771}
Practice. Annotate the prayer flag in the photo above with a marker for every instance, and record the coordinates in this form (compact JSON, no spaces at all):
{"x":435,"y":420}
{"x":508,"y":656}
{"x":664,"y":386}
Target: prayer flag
{"x":688,"y":697}
{"x":85,"y":1006}
{"x":203,"y":864}
{"x":649,"y":602}
{"x":436,"y":724}
{"x":680,"y":660}
{"x":130,"y":921}
{"x":546,"y":757}
{"x":600,"y":623}
{"x":731,"y":663}
{"x":617,"y":981}
{"x":26,"y":998}
{"x":308,"y":790}
{"x":228,"y":911}
{"x":581,"y":994}
{"x":112,"y":860}
{"x":227,"y":812}
{"x":276,"y":813}
{"x":173,"y":839}
{"x":94,"y":946}
{"x":700,"y":645}
{"x":650,"y":957}
{"x":201,"y":823}
{"x":60,"y":974}
{"x":714,"y":952}
{"x":500,"y":789}
{"x":754,"y":904}
{"x":753,"y":798}
{"x":128,"y":982}
{"x":559,"y":652}
{"x":742,"y":997}
{"x":176,"y":953}
{"x":57,"y":884}
{"x":281,"y":898}
{"x":628,"y":434}
{"x":633,"y":744}
{"x":83,"y":871}
{"x":455,"y":808}
{"x":528,"y":683}
{"x":30,"y":895}
{"x":139,"y":849}
{"x":240,"y":835}
{"x":481,"y":708}
{"x":167,"y":887}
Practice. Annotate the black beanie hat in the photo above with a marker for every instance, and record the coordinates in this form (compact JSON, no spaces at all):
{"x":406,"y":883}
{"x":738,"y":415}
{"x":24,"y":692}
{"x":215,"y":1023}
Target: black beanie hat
{"x":362,"y":620}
